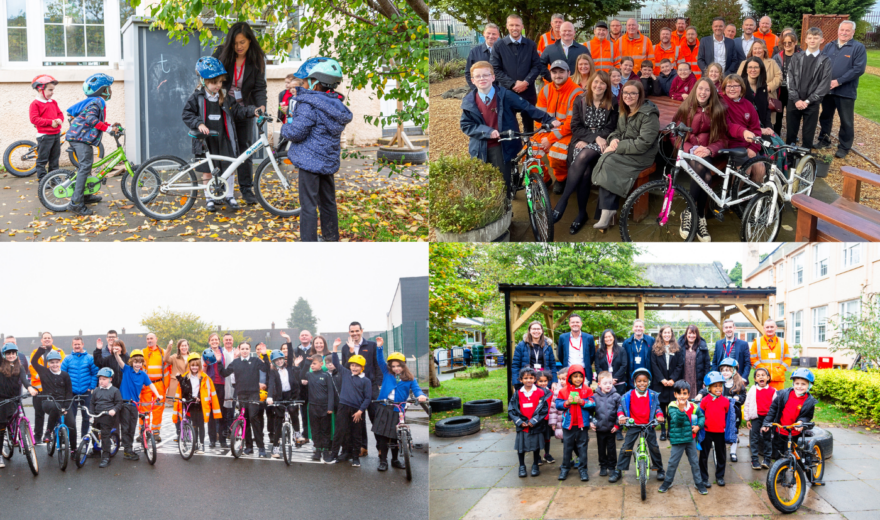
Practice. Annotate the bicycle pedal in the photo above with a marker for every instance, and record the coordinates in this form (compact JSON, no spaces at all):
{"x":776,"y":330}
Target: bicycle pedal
{"x":719,"y":215}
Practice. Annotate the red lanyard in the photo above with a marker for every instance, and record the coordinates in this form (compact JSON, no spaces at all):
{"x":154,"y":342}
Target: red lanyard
{"x":580,"y":342}
{"x":236,"y":76}
{"x":610,"y":356}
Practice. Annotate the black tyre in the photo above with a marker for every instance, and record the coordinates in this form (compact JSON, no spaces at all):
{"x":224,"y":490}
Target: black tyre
{"x":643,"y":478}
{"x":649,"y":229}
{"x":786,"y":486}
{"x":28,"y":449}
{"x":154,"y":193}
{"x":7,"y":446}
{"x":82,"y":452}
{"x":818,"y":468}
{"x":287,"y":443}
{"x":824,"y":439}
{"x":236,"y":443}
{"x":52,"y":195}
{"x":271,"y":193}
{"x":50,"y":448}
{"x":740,"y":188}
{"x":63,"y":449}
{"x":403,"y":441}
{"x":445,"y":404}
{"x":457,"y":426}
{"x":97,"y":151}
{"x":114,"y":442}
{"x":806,"y":168}
{"x":149,"y":178}
{"x":483,"y":407}
{"x":150,"y":447}
{"x":186,"y":443}
{"x":540,"y":210}
{"x":20,"y":158}
{"x":761,"y":219}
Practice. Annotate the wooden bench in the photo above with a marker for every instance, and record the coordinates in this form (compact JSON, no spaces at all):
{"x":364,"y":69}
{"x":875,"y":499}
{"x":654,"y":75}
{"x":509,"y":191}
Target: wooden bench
{"x":844,"y":220}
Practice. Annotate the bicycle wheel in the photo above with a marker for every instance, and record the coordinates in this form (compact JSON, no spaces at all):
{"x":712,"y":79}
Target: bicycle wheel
{"x":643,"y":478}
{"x":786,"y":485}
{"x":82,"y":453}
{"x":806,"y":168}
{"x":741,"y":189}
{"x":540,"y":210}
{"x":20,"y":158}
{"x":50,"y":447}
{"x":97,"y":154}
{"x":756,"y":220}
{"x":150,"y":446}
{"x":271,"y":193}
{"x":114,"y":442}
{"x":186,"y":442}
{"x":52,"y":195}
{"x":819,"y":469}
{"x":150,"y":178}
{"x":63,"y":448}
{"x":405,"y":450}
{"x":154,"y":194}
{"x":27,"y":447}
{"x":287,"y":443}
{"x":236,"y":444}
{"x":653,"y":196}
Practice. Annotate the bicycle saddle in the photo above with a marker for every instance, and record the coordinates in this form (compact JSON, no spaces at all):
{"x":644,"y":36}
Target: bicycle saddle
{"x":199,"y":135}
{"x":737,"y":155}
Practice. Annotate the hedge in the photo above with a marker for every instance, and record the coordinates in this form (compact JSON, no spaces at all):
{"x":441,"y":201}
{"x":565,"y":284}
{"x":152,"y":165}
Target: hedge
{"x":854,"y":391}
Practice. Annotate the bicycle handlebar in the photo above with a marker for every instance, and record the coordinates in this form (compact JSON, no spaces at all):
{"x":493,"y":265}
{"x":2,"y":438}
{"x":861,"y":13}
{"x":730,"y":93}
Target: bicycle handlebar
{"x":795,"y":425}
{"x":511,"y":135}
{"x":72,"y":400}
{"x":630,"y":423}
{"x":283,"y":403}
{"x":679,"y":129}
{"x":86,"y":410}
{"x":14,"y":399}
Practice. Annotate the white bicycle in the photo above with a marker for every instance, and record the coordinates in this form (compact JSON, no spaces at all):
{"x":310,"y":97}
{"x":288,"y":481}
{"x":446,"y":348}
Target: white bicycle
{"x":166,"y":187}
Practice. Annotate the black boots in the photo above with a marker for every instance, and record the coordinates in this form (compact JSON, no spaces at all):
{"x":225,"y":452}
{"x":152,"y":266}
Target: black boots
{"x":105,"y":460}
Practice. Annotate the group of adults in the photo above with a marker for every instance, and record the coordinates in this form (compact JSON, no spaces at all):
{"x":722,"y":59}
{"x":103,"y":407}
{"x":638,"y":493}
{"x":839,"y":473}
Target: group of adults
{"x":669,"y":359}
{"x":604,"y":127}
{"x":162,"y":366}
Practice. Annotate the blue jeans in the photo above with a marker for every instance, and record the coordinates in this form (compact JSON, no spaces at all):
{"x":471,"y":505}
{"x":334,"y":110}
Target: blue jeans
{"x":675,"y":457}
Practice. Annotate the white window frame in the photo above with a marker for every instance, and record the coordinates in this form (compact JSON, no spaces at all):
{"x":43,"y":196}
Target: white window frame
{"x":797,"y":327}
{"x":821,"y":260}
{"x":85,"y":25}
{"x":819,"y":324}
{"x":847,"y":249}
{"x":847,"y":310}
{"x":4,"y":33}
{"x":780,"y":311}
{"x":797,"y":261}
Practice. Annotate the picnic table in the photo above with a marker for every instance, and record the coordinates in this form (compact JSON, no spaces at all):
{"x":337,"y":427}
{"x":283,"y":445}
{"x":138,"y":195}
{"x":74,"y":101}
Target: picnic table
{"x":668,"y":107}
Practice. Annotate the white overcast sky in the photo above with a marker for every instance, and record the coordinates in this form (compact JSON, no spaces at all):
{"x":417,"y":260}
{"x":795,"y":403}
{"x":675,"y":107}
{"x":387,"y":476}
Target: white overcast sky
{"x":93,"y":286}
{"x":728,"y":253}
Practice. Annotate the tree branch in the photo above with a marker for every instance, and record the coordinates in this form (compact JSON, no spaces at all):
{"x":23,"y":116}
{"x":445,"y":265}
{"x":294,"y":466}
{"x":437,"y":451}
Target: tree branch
{"x":350,"y":14}
{"x":420,"y":8}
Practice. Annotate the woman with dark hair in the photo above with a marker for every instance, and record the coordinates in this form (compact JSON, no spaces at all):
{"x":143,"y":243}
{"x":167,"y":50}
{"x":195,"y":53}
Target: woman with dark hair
{"x":756,"y":89}
{"x":667,"y":365}
{"x":696,"y":358}
{"x":13,"y":377}
{"x":245,"y":61}
{"x":109,"y":359}
{"x":535,"y":351}
{"x":611,"y":357}
{"x":790,"y":47}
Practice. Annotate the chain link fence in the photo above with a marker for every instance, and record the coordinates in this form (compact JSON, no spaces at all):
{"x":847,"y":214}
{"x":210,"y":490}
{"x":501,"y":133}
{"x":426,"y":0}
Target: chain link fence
{"x":411,"y":340}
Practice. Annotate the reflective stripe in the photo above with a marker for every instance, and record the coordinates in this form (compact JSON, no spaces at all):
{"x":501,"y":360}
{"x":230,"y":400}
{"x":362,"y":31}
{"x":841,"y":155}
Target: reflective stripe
{"x":560,"y":156}
{"x":557,"y":133}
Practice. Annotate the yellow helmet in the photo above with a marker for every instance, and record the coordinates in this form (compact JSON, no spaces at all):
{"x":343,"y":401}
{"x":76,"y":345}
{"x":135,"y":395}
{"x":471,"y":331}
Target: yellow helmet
{"x":397,"y":356}
{"x":136,"y":352}
{"x":263,"y":395}
{"x":193,"y":356}
{"x":359,"y":359}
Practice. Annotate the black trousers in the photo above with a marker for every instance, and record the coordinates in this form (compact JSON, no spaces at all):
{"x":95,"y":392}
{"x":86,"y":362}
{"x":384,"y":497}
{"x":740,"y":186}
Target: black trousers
{"x":348,"y":433}
{"x":69,"y":420}
{"x":607,"y":444}
{"x":197,"y":420}
{"x":760,"y":443}
{"x":254,"y":431}
{"x":528,"y":122}
{"x":496,"y":159}
{"x":39,"y":416}
{"x":629,"y":442}
{"x":216,"y":426}
{"x":128,"y":418}
{"x":85,"y":154}
{"x":713,"y":439}
{"x":780,"y":443}
{"x":845,"y":108}
{"x":320,"y":425}
{"x":384,"y":443}
{"x":664,"y":426}
{"x":317,"y":191}
{"x":277,"y":416}
{"x":810,"y":117}
{"x":783,"y":97}
{"x":105,"y":423}
{"x":48,"y":152}
{"x":607,"y":200}
{"x":244,"y":137}
{"x":575,"y":439}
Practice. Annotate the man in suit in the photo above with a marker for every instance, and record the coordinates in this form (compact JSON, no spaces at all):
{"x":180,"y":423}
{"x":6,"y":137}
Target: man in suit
{"x":565,"y":49}
{"x":732,"y":347}
{"x":482,"y":52}
{"x":638,"y":351}
{"x":745,"y":41}
{"x":719,"y":49}
{"x":356,"y":344}
{"x":577,"y":347}
{"x":517,"y":65}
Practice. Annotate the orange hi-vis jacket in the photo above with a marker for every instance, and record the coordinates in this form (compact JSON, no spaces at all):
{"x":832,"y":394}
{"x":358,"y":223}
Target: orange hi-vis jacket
{"x":685,"y":55}
{"x":660,"y":53}
{"x":639,"y":49}
{"x":546,"y":40}
{"x":602,"y":52}
{"x":558,"y":102}
{"x":207,"y":396}
{"x":154,"y":366}
{"x":772,"y":354}
{"x":770,"y":39}
{"x":35,"y":377}
{"x":678,"y":39}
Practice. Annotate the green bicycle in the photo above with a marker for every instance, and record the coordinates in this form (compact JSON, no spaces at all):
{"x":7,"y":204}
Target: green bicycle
{"x":528,"y":174}
{"x":57,"y":187}
{"x":643,"y":459}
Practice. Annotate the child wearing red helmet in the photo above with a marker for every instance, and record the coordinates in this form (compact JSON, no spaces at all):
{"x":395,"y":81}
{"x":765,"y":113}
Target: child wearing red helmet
{"x":47,"y":118}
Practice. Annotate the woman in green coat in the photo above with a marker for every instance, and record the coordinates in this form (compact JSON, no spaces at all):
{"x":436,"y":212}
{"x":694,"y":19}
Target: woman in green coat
{"x":631,"y":148}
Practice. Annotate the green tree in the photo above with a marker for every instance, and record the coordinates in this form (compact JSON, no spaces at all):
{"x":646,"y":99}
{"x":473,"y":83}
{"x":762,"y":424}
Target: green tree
{"x":789,"y":13}
{"x":452,"y":292}
{"x":701,"y":13}
{"x":535,"y":13}
{"x":381,"y":44}
{"x":301,"y":316}
{"x":859,"y":332}
{"x":736,"y":274}
{"x":169,"y":325}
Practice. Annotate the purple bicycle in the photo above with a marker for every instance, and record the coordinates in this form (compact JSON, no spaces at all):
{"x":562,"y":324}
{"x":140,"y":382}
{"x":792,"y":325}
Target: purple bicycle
{"x":186,"y":442}
{"x":19,"y":435}
{"x":239,"y":427}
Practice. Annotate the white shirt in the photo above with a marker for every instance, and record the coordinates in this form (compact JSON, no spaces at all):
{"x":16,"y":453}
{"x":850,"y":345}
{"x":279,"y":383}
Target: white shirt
{"x":720,"y":52}
{"x":357,"y":346}
{"x":747,"y":44}
{"x":813,"y":54}
{"x":285,"y":381}
{"x":566,"y":47}
{"x":576,"y":350}
{"x":529,"y":392}
{"x":195,"y":382}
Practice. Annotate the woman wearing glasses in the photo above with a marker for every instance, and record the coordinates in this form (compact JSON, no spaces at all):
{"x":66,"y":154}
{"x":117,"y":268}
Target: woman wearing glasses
{"x":783,"y":59}
{"x":743,"y":122}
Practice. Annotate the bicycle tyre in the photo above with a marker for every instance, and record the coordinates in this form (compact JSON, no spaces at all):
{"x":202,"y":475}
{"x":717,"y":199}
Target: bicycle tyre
{"x":150,"y":447}
{"x":82,"y":453}
{"x":752,"y":228}
{"x":649,"y":230}
{"x":264,"y":185}
{"x":643,"y":478}
{"x":146,"y":190}
{"x":740,"y":189}
{"x":46,"y":190}
{"x":28,"y":449}
{"x":403,"y":443}
{"x":7,"y":446}
{"x":236,"y":442}
{"x":540,"y":213}
{"x":186,"y":441}
{"x":287,"y":443}
{"x":127,"y":185}
{"x":63,"y":449}
{"x":819,"y":470}
{"x":777,"y":470}
{"x":114,"y":442}
{"x":96,"y":156}
{"x":807,"y":168}
{"x":22,"y":169}
{"x":50,"y":447}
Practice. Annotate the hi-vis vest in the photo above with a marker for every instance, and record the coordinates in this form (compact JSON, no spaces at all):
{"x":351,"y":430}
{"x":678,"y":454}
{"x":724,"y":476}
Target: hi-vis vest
{"x":35,"y":377}
{"x":776,"y":360}
{"x":154,"y":366}
{"x":545,"y":41}
{"x":207,"y":396}
{"x":660,"y":53}
{"x":685,"y":55}
{"x":639,"y":49}
{"x":558,"y":102}
{"x":602,"y":52}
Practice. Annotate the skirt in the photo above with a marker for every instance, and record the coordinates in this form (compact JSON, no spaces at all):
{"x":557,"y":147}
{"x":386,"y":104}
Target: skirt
{"x":385,"y":421}
{"x":532,"y":440}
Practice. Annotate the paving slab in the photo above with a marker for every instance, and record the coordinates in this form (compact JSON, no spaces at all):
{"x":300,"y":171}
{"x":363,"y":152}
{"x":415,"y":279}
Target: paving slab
{"x":675,"y":502}
{"x":512,"y":504}
{"x":835,"y":470}
{"x":465,"y":447}
{"x":863,"y":515}
{"x":493,"y":458}
{"x":855,"y":495}
{"x":842,"y":436}
{"x":586,"y":502}
{"x":469,"y":478}
{"x":855,"y":451}
{"x":721,"y":501}
{"x":547,"y":478}
{"x":800,"y":516}
{"x":865,"y":468}
{"x":451,"y":504}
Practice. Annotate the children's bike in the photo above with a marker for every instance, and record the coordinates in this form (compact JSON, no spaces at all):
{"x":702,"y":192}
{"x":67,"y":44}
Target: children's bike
{"x":186,"y":441}
{"x":167,"y":186}
{"x":91,"y":443}
{"x":19,"y":435}
{"x":59,"y":439}
{"x":404,"y":436}
{"x":239,"y":427}
{"x":20,"y":158}
{"x":145,"y":419}
{"x":641,"y":456}
{"x":287,"y":440}
{"x":788,"y":476}
{"x":528,"y":173}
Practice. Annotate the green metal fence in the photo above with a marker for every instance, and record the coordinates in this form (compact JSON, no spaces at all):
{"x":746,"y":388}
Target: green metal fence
{"x":411,"y":340}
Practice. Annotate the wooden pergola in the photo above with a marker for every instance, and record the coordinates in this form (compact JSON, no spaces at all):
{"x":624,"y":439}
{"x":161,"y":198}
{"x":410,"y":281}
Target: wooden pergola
{"x":524,"y":302}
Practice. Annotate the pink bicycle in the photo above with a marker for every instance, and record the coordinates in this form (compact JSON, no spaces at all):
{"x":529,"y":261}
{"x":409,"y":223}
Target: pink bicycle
{"x":19,"y":435}
{"x":239,"y":427}
{"x":404,"y":439}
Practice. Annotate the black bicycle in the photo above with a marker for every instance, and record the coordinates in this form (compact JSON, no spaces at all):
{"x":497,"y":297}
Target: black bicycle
{"x":788,"y":476}
{"x":528,"y":175}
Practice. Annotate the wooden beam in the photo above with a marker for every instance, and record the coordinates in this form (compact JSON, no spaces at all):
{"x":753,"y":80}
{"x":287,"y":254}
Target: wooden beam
{"x":640,"y":314}
{"x":527,"y":314}
{"x":563,"y":318}
{"x":712,"y":319}
{"x":753,"y":319}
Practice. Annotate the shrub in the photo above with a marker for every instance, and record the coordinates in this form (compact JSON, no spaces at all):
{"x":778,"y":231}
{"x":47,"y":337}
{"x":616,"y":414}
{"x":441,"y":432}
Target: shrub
{"x":464,"y":193}
{"x":855,"y":391}
{"x":443,"y":69}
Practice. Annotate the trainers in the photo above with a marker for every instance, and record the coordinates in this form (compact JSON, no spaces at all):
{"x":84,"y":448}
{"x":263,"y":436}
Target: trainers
{"x":130,"y":455}
{"x":223,"y":443}
{"x":211,"y":207}
{"x":316,"y":456}
{"x":232,"y":203}
{"x":248,"y":451}
{"x":549,"y":459}
{"x":383,"y":466}
{"x":157,"y":438}
{"x":685,"y":229}
{"x":2,"y":464}
{"x":756,"y":465}
{"x":355,"y":462}
{"x":200,"y":449}
{"x":248,"y":196}
{"x":263,"y":454}
{"x":603,"y":472}
{"x":702,"y":490}
{"x":80,"y":210}
{"x":395,"y":463}
{"x":326,"y":457}
{"x":766,"y":463}
{"x":664,"y":487}
{"x":92,"y":199}
{"x":276,"y":452}
{"x":702,"y":232}
{"x":104,"y":462}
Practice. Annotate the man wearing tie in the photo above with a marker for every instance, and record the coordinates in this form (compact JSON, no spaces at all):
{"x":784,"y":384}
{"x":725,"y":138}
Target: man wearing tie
{"x":732,"y":347}
{"x":517,"y":65}
{"x":577,"y":347}
{"x":638,"y":347}
{"x":482,"y":52}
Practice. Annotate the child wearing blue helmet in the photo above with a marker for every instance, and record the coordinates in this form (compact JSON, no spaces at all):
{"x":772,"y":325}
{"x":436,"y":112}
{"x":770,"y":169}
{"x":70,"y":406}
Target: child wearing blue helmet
{"x":13,"y":377}
{"x":792,"y":405}
{"x":86,"y":130}
{"x":207,"y":109}
{"x":105,"y":398}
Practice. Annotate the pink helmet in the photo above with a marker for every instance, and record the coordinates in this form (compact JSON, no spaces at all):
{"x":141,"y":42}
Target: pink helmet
{"x":42,"y":80}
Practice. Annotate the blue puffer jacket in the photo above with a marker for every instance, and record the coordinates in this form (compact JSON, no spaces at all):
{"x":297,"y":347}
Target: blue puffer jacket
{"x":389,"y":381}
{"x":82,"y":370}
{"x":88,"y":121}
{"x":314,"y":131}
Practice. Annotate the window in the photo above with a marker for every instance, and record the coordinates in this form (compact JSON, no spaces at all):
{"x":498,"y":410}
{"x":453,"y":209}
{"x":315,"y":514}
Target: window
{"x":797,"y":269}
{"x":797,"y":319}
{"x":820,"y":260}
{"x":125,"y":12}
{"x":852,"y":254}
{"x":780,"y":311}
{"x":74,"y":28}
{"x":819,"y":324}
{"x":16,"y":29}
{"x":750,"y":336}
{"x":850,"y":308}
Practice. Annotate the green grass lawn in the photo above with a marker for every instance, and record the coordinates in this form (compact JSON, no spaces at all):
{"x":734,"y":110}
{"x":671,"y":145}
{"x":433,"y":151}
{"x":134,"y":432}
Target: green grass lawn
{"x":868,"y":101}
{"x":874,"y":57}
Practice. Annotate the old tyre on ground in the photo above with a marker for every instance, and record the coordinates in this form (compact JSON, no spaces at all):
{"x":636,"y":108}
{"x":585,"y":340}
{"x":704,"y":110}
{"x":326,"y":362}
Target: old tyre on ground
{"x":393,"y":154}
{"x":457,"y":426}
{"x":483,"y":407}
{"x":444,"y":404}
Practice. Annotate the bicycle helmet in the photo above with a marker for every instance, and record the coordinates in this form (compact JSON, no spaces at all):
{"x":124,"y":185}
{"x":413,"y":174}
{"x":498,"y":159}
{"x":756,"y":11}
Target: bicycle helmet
{"x":52,"y":356}
{"x":209,"y":357}
{"x":728,"y":362}
{"x":359,"y":359}
{"x":97,"y":84}
{"x":209,"y":67}
{"x":105,"y":372}
{"x":40,"y":82}
{"x":327,"y":72}
{"x":712,"y":378}
{"x":277,"y":354}
{"x":9,"y":347}
{"x":307,"y":66}
{"x":192,"y":357}
{"x":641,"y":371}
{"x":801,"y":373}
{"x":397,"y":356}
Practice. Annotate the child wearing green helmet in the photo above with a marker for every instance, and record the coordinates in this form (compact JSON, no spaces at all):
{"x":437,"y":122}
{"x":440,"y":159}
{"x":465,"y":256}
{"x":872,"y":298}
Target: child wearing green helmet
{"x":792,"y":405}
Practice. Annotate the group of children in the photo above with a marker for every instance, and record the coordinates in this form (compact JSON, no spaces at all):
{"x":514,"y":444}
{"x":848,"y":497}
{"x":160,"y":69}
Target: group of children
{"x":697,"y":423}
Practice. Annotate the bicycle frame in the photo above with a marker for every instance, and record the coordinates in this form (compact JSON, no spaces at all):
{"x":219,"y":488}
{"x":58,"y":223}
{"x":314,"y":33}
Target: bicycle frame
{"x":724,"y":201}
{"x":105,"y":166}
{"x":14,"y":429}
{"x":531,"y":163}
